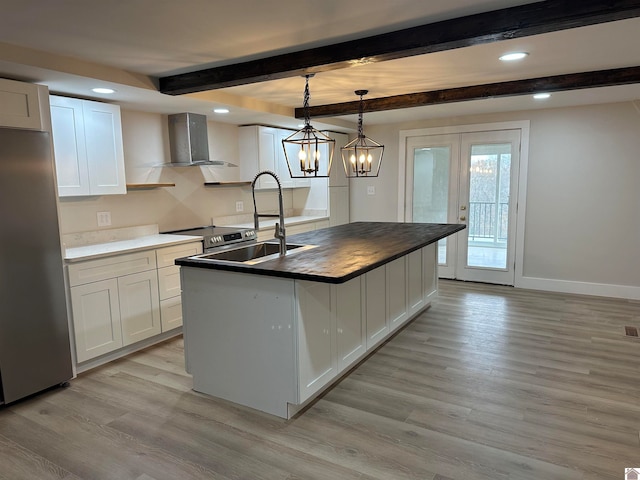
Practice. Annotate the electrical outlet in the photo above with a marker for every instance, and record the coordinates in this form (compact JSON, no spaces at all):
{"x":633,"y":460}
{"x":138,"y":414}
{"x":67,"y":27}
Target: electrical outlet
{"x":240,"y":206}
{"x":104,"y":219}
{"x":371,"y":190}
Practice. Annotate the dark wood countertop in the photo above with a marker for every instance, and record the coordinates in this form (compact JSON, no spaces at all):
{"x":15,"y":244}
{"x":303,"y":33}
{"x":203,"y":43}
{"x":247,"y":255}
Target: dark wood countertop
{"x":344,"y":252}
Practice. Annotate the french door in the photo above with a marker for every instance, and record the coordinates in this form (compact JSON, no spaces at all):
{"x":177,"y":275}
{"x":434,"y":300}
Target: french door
{"x":469,"y":178}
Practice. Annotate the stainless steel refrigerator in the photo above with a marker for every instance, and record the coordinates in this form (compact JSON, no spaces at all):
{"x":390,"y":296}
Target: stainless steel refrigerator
{"x":34,"y":333}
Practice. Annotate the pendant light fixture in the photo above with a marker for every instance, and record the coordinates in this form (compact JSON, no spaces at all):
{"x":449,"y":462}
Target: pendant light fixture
{"x":308,"y":152}
{"x":362,"y":156}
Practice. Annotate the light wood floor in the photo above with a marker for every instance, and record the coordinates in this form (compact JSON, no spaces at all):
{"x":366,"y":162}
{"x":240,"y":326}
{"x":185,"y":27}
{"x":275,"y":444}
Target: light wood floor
{"x":490,"y":383}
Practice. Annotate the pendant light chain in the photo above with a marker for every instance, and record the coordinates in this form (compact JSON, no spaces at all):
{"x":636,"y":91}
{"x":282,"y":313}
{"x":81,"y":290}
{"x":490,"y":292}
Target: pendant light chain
{"x":360,"y":115}
{"x":305,"y":103}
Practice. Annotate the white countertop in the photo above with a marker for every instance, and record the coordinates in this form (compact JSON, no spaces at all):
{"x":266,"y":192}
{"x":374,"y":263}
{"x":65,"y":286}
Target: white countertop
{"x":159,"y":240}
{"x":87,"y":252}
{"x":270,"y":222}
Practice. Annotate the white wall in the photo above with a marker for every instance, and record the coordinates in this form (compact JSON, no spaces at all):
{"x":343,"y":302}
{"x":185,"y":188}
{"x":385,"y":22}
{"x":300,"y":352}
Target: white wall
{"x":582,"y":223}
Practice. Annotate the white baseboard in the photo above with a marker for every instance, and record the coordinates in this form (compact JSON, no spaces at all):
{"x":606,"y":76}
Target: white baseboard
{"x":582,"y":288}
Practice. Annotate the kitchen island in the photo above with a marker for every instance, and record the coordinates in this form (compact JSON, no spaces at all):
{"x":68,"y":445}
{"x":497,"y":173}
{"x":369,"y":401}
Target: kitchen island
{"x":275,"y":334}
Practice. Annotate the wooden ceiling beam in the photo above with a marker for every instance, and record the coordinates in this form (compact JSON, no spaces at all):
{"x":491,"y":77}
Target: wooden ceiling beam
{"x":557,"y":83}
{"x":515,"y":22}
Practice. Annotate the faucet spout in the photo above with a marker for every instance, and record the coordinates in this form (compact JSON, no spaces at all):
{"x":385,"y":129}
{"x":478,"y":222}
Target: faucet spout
{"x":279,"y":231}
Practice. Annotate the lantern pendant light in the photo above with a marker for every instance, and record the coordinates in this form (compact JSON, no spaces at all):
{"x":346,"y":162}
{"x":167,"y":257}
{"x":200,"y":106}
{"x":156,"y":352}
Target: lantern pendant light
{"x":362,"y":156}
{"x":308,"y":152}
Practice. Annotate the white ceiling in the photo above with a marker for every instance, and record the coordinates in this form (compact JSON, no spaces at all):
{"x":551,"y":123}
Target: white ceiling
{"x":74,"y":45}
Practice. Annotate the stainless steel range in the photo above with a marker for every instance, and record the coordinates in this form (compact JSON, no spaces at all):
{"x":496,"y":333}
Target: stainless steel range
{"x":219,"y":238}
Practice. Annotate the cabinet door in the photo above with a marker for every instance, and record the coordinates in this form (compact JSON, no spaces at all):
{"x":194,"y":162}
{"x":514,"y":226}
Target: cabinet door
{"x":139,"y":306}
{"x":376,"y":306}
{"x":430,"y":268}
{"x":272,"y":158}
{"x":267,"y":156}
{"x":19,"y":105}
{"x":397,"y":292}
{"x":351,"y":336}
{"x":415,"y":282}
{"x":96,"y":319}
{"x":317,"y":364}
{"x":105,"y":155}
{"x":69,"y":146}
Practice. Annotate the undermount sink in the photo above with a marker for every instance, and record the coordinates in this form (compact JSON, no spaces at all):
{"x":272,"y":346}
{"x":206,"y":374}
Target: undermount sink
{"x":254,"y":253}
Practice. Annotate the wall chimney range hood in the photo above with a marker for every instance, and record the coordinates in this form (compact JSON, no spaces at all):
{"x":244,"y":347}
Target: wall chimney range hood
{"x":188,"y":141}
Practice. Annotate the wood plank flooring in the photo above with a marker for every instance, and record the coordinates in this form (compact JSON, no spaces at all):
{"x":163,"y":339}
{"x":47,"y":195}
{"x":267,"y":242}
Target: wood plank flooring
{"x":489,"y":383}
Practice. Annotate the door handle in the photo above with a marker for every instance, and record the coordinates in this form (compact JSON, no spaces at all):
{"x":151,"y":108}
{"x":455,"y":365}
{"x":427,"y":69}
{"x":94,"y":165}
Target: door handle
{"x":463,"y":207}
{"x":463,"y":218}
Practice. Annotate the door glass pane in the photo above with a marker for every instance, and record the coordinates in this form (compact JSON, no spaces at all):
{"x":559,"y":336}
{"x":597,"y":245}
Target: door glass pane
{"x":431,"y":189}
{"x":489,"y":187}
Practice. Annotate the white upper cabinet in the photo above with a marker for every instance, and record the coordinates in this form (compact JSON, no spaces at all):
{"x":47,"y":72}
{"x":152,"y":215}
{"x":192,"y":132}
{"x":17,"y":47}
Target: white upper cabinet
{"x":261,"y":149}
{"x":87,"y":141}
{"x":19,"y":105}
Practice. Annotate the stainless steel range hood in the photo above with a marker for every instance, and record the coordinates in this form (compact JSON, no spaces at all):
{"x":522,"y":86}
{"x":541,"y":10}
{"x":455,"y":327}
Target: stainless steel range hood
{"x":188,"y":141}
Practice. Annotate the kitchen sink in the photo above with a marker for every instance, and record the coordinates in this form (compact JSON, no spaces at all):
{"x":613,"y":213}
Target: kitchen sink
{"x":254,"y":253}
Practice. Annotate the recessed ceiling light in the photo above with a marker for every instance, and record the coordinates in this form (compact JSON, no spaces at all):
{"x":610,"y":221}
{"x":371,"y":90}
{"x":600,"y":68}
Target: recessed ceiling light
{"x":510,"y":57}
{"x":221,"y":110}
{"x":541,"y":96}
{"x":103,"y":90}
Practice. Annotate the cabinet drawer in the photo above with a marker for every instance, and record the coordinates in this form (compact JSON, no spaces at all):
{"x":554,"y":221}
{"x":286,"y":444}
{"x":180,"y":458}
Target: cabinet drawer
{"x":171,"y":313}
{"x":111,"y":267}
{"x":167,"y":255}
{"x":169,"y":282}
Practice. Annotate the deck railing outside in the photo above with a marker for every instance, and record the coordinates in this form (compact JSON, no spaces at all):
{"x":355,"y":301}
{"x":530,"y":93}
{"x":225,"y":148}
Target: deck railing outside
{"x":488,"y":221}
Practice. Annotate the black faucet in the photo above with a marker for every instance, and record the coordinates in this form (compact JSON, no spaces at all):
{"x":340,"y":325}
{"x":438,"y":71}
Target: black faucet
{"x":279,"y":232}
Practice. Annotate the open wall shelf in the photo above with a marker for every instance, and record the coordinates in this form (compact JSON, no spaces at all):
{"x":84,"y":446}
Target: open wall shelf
{"x":146,"y":186}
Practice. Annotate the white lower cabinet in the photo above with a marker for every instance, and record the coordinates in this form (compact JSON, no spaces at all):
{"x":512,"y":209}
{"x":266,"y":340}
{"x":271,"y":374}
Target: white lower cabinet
{"x":331,"y":332}
{"x":120,"y":300}
{"x":377,"y":326}
{"x":338,"y":324}
{"x":350,"y":325}
{"x":415,"y":282}
{"x":275,"y":343}
{"x":317,"y":361}
{"x":169,"y":282}
{"x":96,"y":319}
{"x":430,"y":272}
{"x":139,"y":306}
{"x":396,"y":292}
